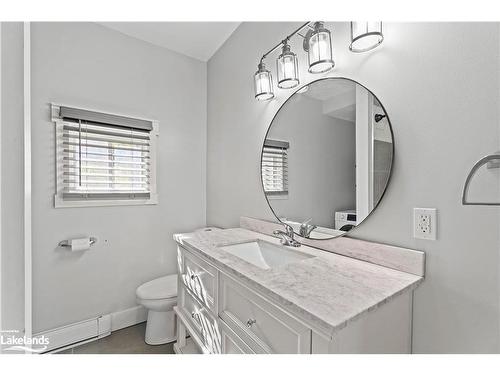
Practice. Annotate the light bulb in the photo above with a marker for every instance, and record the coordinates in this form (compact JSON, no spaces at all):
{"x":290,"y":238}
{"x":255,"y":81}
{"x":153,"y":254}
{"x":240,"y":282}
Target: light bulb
{"x":365,"y":36}
{"x":263,"y":83}
{"x":320,"y":50}
{"x":287,"y":67}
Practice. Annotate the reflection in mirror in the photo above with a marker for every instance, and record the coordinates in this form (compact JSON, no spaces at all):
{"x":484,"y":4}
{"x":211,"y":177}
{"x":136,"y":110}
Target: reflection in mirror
{"x":327,"y":157}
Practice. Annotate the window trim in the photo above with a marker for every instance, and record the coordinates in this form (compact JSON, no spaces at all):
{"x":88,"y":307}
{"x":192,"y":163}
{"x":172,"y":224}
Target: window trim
{"x":59,"y":202}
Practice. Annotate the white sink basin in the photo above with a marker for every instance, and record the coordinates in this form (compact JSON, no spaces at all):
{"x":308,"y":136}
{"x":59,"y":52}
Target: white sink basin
{"x":264,"y":254}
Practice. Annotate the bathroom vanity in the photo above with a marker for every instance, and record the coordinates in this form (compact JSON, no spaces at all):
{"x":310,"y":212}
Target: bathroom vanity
{"x":241,"y":291}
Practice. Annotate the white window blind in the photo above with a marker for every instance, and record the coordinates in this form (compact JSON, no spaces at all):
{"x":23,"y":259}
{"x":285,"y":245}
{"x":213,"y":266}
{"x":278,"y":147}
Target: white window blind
{"x":104,"y":161}
{"x":275,"y":167}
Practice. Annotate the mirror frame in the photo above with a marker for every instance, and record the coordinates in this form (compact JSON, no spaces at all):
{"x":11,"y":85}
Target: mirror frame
{"x":392,"y":161}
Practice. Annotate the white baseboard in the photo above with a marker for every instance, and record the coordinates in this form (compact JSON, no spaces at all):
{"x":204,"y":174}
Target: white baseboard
{"x":129,"y":317}
{"x":92,"y":329}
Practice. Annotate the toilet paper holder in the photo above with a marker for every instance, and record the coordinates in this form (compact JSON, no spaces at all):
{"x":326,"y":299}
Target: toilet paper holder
{"x":66,"y":243}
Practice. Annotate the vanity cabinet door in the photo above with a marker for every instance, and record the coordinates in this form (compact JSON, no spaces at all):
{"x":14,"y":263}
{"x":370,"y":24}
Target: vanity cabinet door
{"x":200,"y":322}
{"x":200,"y":278}
{"x":231,"y":343}
{"x":263,"y":326}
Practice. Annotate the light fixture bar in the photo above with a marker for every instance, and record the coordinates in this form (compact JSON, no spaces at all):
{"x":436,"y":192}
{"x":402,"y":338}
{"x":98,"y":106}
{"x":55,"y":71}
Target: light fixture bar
{"x":287,"y":38}
{"x":287,"y":71}
{"x":318,"y":45}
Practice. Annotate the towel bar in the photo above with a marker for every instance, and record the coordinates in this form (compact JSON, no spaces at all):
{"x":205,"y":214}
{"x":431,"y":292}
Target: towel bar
{"x":493,"y":161}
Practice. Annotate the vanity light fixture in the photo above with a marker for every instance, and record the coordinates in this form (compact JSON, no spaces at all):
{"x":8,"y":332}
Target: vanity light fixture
{"x":287,"y":67}
{"x":318,"y":44}
{"x":365,"y":36}
{"x":263,"y":83}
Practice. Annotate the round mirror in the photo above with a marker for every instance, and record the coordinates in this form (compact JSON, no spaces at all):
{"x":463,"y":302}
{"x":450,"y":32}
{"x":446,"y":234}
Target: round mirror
{"x":327,"y":157}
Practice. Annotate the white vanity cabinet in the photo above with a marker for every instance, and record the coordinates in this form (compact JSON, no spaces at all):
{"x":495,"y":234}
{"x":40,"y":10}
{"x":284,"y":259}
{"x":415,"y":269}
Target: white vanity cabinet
{"x":231,"y":342}
{"x":263,"y":326}
{"x":222,"y":314}
{"x":196,"y":308}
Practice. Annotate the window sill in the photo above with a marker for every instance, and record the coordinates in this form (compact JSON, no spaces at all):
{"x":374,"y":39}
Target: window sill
{"x":277,"y":197}
{"x":60,"y":203}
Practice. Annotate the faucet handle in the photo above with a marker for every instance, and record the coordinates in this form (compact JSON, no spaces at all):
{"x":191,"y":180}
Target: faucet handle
{"x":289,"y":230}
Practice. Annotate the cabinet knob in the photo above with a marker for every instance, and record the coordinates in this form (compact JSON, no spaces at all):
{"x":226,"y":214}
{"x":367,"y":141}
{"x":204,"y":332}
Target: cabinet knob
{"x":194,"y":276}
{"x":251,"y":322}
{"x":196,"y":313}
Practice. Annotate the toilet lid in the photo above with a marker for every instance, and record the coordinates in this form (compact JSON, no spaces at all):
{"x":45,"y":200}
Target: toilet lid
{"x":163,"y":287}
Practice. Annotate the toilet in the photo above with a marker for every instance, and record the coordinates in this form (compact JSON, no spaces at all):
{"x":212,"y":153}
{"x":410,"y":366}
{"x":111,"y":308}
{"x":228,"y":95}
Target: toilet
{"x":159,"y":296}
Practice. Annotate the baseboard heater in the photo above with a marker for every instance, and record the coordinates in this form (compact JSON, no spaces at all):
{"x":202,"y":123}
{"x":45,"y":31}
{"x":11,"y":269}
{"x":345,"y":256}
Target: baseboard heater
{"x":77,"y":333}
{"x":89,"y":330}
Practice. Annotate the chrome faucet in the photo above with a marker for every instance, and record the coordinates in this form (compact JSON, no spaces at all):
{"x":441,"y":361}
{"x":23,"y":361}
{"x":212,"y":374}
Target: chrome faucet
{"x":287,"y":236}
{"x":306,"y":228}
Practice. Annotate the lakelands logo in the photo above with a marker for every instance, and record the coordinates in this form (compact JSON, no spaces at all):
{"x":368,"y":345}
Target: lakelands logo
{"x":12,"y":342}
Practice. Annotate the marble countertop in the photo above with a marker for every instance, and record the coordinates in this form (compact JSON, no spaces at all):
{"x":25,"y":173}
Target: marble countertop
{"x":327,"y":291}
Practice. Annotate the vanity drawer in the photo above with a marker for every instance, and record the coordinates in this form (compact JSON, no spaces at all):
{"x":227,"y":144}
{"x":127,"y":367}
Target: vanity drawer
{"x":200,"y":278}
{"x":201,"y":322}
{"x":264,"y":327}
{"x":231,"y":343}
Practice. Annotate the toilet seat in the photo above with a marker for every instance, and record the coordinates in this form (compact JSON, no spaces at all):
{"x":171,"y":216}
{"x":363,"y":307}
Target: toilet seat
{"x":161,"y":288}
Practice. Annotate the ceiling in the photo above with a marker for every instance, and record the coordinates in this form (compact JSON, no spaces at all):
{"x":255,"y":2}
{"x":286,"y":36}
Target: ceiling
{"x":337,"y":96}
{"x":199,"y":40}
{"x":329,"y":88}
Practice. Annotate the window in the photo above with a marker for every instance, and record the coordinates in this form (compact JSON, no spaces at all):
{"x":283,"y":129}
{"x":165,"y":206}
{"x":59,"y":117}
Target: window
{"x":275,"y":167}
{"x":104,"y":159}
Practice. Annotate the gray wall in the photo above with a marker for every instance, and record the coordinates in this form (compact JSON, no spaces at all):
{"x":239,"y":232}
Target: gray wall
{"x":12,"y":271}
{"x":87,"y":65}
{"x":439,"y":85}
{"x":321,"y":162}
{"x":440,"y":88}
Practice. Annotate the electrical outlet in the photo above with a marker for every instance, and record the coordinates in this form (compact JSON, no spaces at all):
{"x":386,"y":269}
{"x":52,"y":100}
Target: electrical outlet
{"x":424,"y":223}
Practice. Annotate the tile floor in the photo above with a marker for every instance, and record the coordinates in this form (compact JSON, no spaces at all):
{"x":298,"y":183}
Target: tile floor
{"x":129,"y":340}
